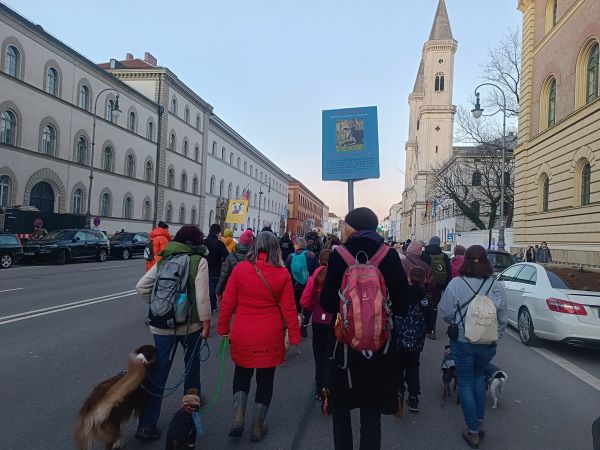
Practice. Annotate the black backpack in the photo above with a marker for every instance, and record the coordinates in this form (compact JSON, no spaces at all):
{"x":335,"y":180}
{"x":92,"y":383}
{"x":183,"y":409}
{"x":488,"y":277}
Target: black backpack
{"x":169,"y":305}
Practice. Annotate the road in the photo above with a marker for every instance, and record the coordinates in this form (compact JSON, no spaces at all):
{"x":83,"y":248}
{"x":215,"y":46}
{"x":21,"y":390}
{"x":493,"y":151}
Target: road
{"x":65,"y":328}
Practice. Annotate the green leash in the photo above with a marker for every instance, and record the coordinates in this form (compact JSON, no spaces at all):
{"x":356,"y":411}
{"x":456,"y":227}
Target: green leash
{"x":221,"y":354}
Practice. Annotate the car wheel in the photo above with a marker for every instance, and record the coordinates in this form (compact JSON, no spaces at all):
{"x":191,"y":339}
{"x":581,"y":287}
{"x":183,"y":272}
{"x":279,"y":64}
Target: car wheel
{"x":61,"y":257}
{"x":526,"y":332}
{"x":102,"y":255}
{"x":6,"y":261}
{"x":125,"y":255}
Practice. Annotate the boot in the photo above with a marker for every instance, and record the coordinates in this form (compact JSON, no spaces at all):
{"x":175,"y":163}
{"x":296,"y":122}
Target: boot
{"x":259,"y":429}
{"x":240,"y":399}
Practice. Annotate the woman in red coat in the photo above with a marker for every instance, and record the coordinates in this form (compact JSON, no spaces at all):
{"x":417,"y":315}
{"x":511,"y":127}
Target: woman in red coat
{"x":257,"y":336}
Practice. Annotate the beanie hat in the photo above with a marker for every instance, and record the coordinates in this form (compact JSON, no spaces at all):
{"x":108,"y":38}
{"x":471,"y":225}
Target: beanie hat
{"x":162,"y":224}
{"x":435,"y":241}
{"x":362,"y":219}
{"x":228,"y":232}
{"x":246,"y":238}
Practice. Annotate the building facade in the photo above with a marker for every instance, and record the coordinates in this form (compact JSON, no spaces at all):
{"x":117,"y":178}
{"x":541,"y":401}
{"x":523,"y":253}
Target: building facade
{"x":305,"y":209}
{"x":326,"y":223}
{"x":48,"y":95}
{"x":396,"y":221}
{"x":557,"y":188}
{"x":431,"y":125}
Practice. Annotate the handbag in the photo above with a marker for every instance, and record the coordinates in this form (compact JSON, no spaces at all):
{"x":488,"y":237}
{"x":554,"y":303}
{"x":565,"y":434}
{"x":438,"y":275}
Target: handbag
{"x":453,"y":330}
{"x":277,"y":301}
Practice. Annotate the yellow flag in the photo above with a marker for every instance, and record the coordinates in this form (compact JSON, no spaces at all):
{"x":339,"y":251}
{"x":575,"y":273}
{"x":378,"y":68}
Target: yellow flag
{"x":237,"y":211}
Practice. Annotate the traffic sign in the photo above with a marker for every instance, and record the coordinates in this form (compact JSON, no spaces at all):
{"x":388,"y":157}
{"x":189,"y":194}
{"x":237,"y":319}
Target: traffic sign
{"x":96,"y":221}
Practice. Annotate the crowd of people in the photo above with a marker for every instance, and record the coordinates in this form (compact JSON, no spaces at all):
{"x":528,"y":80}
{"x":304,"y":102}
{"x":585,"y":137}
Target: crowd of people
{"x":370,"y":306}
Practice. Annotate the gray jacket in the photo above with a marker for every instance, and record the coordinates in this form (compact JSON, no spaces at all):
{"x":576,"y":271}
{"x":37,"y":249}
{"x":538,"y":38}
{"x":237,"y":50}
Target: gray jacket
{"x":457,"y":294}
{"x":239,"y":254}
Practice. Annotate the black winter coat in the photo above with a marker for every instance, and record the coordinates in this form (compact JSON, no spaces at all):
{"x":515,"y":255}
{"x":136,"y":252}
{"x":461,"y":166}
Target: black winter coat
{"x":216,"y":256}
{"x":231,"y":261}
{"x":375,"y":380}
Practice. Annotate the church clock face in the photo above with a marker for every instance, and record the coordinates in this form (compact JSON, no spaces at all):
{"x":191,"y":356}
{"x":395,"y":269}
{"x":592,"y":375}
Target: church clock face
{"x":441,"y":61}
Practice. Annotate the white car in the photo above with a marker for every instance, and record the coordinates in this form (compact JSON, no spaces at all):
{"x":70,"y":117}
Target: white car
{"x":553,"y":302}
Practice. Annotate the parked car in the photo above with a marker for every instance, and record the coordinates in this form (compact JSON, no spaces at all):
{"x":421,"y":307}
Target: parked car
{"x":500,"y":260}
{"x":11,"y":250}
{"x":62,"y":246}
{"x":557,"y":303}
{"x":126,"y":245}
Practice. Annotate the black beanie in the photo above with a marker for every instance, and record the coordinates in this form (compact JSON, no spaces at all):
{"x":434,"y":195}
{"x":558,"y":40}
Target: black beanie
{"x":161,"y":224}
{"x":362,"y":219}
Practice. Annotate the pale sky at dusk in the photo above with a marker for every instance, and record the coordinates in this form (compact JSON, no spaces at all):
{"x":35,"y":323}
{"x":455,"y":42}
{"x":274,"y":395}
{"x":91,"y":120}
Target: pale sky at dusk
{"x":269,"y":67}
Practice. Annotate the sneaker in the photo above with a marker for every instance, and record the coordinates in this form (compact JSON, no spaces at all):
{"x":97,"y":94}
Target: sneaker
{"x":472,"y":439}
{"x":413,"y":403}
{"x":147,"y":434}
{"x":303,"y":331}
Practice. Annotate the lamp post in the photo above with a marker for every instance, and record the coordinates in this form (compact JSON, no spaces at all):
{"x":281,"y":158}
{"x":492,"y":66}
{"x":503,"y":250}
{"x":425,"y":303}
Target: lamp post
{"x":477,"y":113}
{"x":260,"y":194}
{"x":115,"y":113}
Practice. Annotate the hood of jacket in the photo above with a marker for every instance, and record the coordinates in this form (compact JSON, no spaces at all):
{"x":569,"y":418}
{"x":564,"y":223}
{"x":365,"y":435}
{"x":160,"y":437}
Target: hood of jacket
{"x":227,"y":240}
{"x":158,"y":231}
{"x":433,"y":249}
{"x":241,"y":249}
{"x":175,"y":248}
{"x":367,"y":234}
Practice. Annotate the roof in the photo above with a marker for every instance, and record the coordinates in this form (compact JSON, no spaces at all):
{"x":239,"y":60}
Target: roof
{"x":441,"y":30}
{"x":419,"y":82}
{"x":136,"y":63}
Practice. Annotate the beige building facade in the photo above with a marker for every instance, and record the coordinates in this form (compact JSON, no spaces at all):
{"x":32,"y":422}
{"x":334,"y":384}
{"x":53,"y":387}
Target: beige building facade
{"x":557,"y":183}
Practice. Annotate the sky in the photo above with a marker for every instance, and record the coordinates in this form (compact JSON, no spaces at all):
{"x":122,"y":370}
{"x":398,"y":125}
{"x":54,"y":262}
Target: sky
{"x":269,"y":67}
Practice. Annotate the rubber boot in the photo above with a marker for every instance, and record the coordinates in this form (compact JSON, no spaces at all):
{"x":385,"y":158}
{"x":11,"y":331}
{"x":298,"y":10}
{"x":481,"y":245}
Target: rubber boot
{"x":259,"y":429}
{"x":240,"y":399}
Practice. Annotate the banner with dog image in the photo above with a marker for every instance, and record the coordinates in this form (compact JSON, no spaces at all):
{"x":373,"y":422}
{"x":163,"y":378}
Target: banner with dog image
{"x":237,"y":211}
{"x":350,"y":144}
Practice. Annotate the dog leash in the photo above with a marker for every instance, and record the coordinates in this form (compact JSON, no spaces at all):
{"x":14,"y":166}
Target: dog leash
{"x":220,"y":355}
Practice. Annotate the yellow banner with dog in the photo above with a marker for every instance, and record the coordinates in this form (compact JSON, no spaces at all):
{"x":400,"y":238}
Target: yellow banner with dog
{"x":237,"y":211}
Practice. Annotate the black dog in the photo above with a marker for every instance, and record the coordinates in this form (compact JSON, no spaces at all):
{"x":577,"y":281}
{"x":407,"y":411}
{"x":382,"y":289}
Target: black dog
{"x":448,"y":375}
{"x":181,"y":434}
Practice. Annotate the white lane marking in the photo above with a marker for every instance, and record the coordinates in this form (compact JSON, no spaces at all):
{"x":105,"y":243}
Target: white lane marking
{"x":2,"y":319}
{"x":583,"y":375}
{"x":65,"y":308}
{"x":106,"y":267}
{"x":10,"y":290}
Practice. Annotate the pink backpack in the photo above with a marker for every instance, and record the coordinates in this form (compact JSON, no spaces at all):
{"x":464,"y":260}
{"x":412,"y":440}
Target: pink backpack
{"x":365,"y":312}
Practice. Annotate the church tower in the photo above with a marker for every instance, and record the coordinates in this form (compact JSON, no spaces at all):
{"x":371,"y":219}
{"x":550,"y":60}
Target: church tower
{"x":431,"y":125}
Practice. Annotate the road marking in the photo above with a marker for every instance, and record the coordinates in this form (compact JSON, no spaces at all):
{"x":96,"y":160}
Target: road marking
{"x":10,"y":290}
{"x":583,"y":375}
{"x":106,"y":267}
{"x":64,"y":307}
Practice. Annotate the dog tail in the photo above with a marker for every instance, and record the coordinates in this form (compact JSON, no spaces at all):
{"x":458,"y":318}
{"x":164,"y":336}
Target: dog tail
{"x":84,"y":432}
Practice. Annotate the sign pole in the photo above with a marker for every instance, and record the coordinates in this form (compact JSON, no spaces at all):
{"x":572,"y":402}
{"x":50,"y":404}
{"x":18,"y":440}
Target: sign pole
{"x":350,"y":195}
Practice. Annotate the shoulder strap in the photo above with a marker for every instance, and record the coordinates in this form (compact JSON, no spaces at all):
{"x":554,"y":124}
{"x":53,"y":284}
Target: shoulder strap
{"x":459,"y":308}
{"x":346,"y":255}
{"x":381,"y":253}
{"x":268,"y":286}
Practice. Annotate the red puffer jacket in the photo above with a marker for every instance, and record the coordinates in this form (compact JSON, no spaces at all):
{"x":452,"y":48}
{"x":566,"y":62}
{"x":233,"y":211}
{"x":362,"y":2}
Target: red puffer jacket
{"x":257,"y":336}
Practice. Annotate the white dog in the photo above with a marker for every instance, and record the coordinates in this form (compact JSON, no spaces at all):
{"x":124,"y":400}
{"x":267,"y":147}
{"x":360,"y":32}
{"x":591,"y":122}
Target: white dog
{"x":496,"y":379}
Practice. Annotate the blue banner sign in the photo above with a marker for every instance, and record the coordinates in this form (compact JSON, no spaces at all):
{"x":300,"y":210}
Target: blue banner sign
{"x":350,"y":144}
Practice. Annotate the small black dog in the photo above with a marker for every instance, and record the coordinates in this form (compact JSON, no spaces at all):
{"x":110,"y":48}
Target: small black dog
{"x":181,"y":434}
{"x":448,"y":375}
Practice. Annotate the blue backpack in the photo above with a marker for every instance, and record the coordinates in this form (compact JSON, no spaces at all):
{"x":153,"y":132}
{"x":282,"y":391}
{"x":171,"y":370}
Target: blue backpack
{"x":409,"y":331}
{"x":300,"y":268}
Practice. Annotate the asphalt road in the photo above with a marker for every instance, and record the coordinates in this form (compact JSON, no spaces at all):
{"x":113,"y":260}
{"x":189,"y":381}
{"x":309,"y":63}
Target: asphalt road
{"x":63,"y":329}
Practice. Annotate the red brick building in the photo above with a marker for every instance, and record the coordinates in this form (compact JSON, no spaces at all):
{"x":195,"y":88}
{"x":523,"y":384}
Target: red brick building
{"x":305,"y":209}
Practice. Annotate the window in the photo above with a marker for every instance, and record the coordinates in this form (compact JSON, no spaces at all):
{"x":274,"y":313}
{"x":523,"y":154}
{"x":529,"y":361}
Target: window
{"x":586,"y":175}
{"x":81,"y":153}
{"x":548,"y":103}
{"x":239,"y":163}
{"x":12,"y":62}
{"x":552,"y":103}
{"x":476,"y":181}
{"x":150,"y":131}
{"x":528,"y":275}
{"x":52,"y":81}
{"x":5,"y":190}
{"x":592,"y":73}
{"x":229,"y":190}
{"x":214,"y":148}
{"x":49,"y":140}
{"x":42,"y":197}
{"x":105,"y":204}
{"x":237,"y":192}
{"x":476,"y":208}
{"x":127,"y":208}
{"x":231,"y":158}
{"x":193,"y":219}
{"x":195,"y":185}
{"x":172,"y":142}
{"x":221,"y":188}
{"x":107,"y":159}
{"x":223,"y":153}
{"x":545,"y":191}
{"x":149,"y":171}
{"x":212,"y":185}
{"x":182,"y":214}
{"x":131,"y":121}
{"x":183,"y":185}
{"x":186,"y":115}
{"x":439,"y":82}
{"x":250,"y":169}
{"x":551,"y":15}
{"x":130,"y":165}
{"x":185,"y":147}
{"x":196,"y":152}
{"x":171,"y":178}
{"x":146,"y":210}
{"x":84,"y":97}
{"x":174,"y":105}
{"x":254,"y":203}
{"x":198,"y":121}
{"x":8,"y":128}
{"x":169,"y":213}
{"x":245,"y":167}
{"x":211,"y":216}
{"x":554,"y":9}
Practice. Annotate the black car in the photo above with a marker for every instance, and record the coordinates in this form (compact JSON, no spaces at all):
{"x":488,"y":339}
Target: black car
{"x":11,"y":250}
{"x":125,"y":245}
{"x":62,"y":246}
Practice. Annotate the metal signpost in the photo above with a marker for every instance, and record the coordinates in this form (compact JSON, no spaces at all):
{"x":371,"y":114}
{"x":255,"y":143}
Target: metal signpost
{"x":350,"y":146}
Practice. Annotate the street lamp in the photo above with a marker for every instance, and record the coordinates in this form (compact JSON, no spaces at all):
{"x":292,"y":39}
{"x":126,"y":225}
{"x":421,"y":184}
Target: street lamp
{"x":260,"y":194}
{"x":115,"y":113}
{"x":477,"y":113}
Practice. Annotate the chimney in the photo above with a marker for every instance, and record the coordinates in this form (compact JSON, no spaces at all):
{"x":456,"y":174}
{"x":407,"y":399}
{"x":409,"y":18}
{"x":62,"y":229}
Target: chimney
{"x":128,"y":56}
{"x":150,"y":59}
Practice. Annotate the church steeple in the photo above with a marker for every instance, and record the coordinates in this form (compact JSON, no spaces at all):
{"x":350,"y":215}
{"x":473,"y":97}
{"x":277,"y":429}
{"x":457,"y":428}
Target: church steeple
{"x":441,"y":30}
{"x":419,"y":82}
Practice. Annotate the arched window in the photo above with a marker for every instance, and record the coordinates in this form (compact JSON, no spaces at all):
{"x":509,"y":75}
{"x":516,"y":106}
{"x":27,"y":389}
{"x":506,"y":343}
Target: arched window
{"x":110,"y":106}
{"x":169,"y":213}
{"x":197,"y":121}
{"x":12,"y":62}
{"x":5,"y":190}
{"x":52,"y":81}
{"x":214,"y":148}
{"x":81,"y":154}
{"x":223,"y":153}
{"x":172,"y":142}
{"x":211,"y":217}
{"x":42,"y":197}
{"x":195,"y":185}
{"x":231,"y":158}
{"x":77,"y":201}
{"x":222,"y":188}
{"x":171,"y":178}
{"x":49,"y":140}
{"x":193,"y":219}
{"x":552,"y":103}
{"x":183,"y":185}
{"x":254,"y":203}
{"x":245,"y":167}
{"x":130,"y":165}
{"x":439,"y":82}
{"x":229,"y":190}
{"x":250,"y":169}
{"x":586,"y":178}
{"x":548,"y":103}
{"x":128,"y":208}
{"x":182,"y":214}
{"x":592,"y":73}
{"x":551,"y":15}
{"x":8,"y":128}
{"x":84,"y":97}
{"x":105,"y":204}
{"x":146,"y":210}
{"x":239,"y":163}
{"x":237,"y":192}
{"x":107,"y":159}
{"x":543,"y":192}
{"x":149,"y":171}
{"x":212,"y":185}
{"x":196,"y":152}
{"x":185,"y":147}
{"x":186,"y":115}
{"x":131,"y":121}
{"x":150,"y":131}
{"x":174,"y":105}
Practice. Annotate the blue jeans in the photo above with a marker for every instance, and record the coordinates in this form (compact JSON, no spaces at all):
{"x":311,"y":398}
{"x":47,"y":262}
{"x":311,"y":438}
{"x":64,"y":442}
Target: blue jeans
{"x":160,"y":372}
{"x":470,"y":361}
{"x":212,"y":291}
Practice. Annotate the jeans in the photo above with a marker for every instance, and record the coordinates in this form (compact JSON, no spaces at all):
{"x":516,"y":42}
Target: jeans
{"x":212,"y":292}
{"x":470,"y":361}
{"x":166,"y":347}
{"x":370,"y":429}
{"x":409,"y":373}
{"x":264,"y":383}
{"x":322,"y":339}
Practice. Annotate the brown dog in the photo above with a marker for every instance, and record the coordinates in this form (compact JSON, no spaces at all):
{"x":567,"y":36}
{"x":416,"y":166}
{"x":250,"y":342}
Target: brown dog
{"x":113,"y":402}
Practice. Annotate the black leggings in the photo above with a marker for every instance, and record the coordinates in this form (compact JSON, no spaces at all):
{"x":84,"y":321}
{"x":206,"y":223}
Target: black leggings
{"x":370,"y":429}
{"x":264,"y":383}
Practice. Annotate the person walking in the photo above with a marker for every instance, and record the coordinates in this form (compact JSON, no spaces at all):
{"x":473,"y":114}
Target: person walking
{"x":188,"y":241}
{"x":530,"y":254}
{"x":259,"y":292}
{"x":228,"y":240}
{"x":412,"y":260}
{"x":457,"y":261}
{"x":159,"y":238}
{"x":217,"y":253}
{"x":366,"y":383}
{"x":322,"y":327}
{"x":238,"y":255}
{"x":442,"y":272}
{"x":544,"y":256}
{"x":477,"y":277}
{"x":287,"y":247}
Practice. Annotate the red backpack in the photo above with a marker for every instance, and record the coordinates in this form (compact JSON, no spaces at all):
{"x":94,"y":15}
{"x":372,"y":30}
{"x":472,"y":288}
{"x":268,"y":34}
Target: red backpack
{"x":364,"y":322}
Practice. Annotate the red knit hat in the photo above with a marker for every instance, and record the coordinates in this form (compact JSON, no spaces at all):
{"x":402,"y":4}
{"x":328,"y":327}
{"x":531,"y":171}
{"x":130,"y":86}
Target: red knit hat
{"x":246,"y":238}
